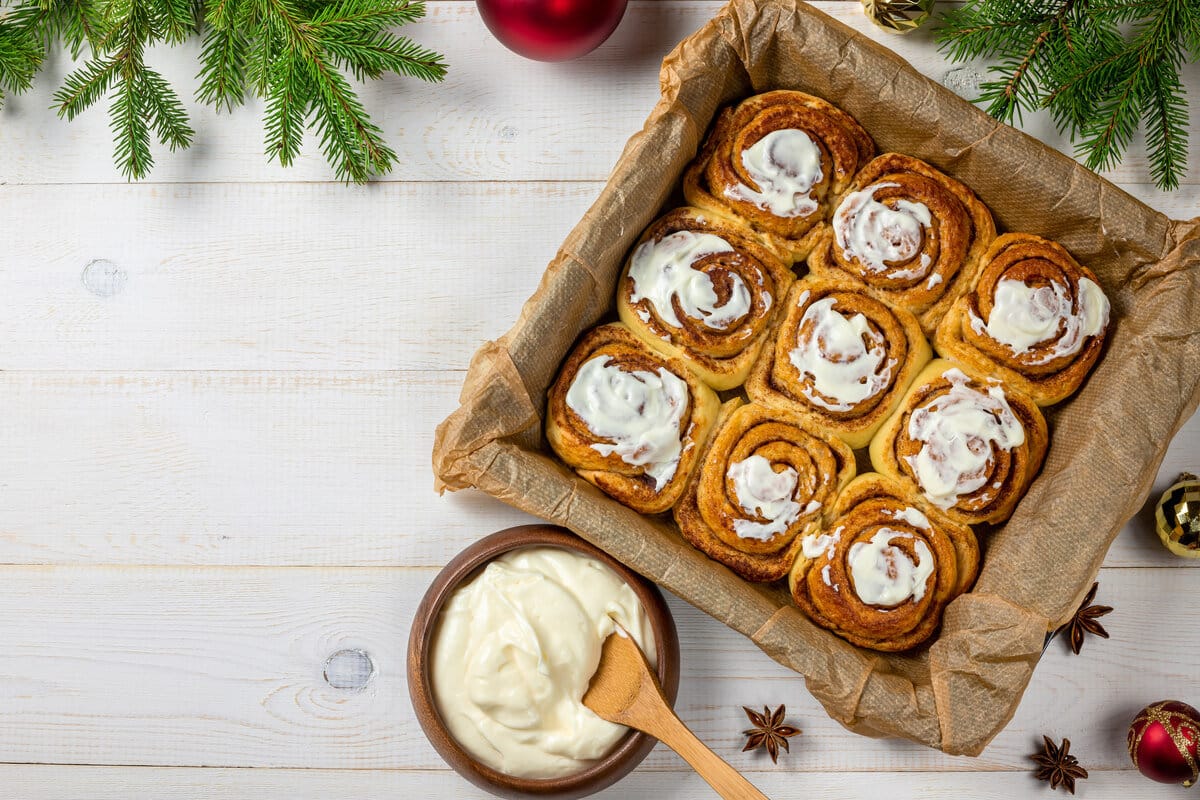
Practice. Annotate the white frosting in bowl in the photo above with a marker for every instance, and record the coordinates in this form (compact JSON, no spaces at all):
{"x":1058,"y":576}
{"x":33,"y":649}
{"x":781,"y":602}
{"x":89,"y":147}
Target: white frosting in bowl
{"x":638,"y":412}
{"x":513,"y":654}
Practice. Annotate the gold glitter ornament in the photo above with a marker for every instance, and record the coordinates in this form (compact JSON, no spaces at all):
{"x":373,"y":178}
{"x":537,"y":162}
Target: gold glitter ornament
{"x":1177,"y":517}
{"x":898,"y":16}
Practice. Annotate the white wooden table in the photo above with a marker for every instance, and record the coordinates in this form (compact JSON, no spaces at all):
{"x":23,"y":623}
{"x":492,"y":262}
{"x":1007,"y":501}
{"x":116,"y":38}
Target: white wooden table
{"x":217,"y":402}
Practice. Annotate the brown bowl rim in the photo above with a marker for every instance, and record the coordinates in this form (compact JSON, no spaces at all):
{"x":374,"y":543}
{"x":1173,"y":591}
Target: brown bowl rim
{"x":630,"y":749}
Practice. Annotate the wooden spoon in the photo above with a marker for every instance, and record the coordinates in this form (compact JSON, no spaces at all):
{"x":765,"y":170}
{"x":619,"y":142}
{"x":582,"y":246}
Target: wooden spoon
{"x":625,"y":690}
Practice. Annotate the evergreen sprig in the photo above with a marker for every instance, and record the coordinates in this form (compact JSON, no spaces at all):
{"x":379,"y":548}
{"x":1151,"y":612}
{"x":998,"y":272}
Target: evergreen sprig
{"x":1101,"y":67}
{"x":294,"y":54}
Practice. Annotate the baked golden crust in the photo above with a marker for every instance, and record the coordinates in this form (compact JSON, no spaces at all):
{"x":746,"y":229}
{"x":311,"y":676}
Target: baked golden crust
{"x":894,"y":352}
{"x":711,"y":182}
{"x":714,"y":519}
{"x":823,"y":585}
{"x":928,"y":278}
{"x":720,"y":354}
{"x":575,"y":443}
{"x":981,"y":474}
{"x":1049,"y":370}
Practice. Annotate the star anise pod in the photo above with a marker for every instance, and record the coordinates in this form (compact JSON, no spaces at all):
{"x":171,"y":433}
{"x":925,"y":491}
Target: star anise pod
{"x":1084,"y":621}
{"x":768,"y":731}
{"x":1057,"y":765}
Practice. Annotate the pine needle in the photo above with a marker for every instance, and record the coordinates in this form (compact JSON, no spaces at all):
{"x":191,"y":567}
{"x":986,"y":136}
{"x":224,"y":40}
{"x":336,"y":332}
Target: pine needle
{"x":294,"y":54}
{"x":1101,"y":67}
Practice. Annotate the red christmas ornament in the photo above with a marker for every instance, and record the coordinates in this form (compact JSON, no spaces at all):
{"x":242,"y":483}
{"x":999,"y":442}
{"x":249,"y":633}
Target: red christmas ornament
{"x":1163,"y":742}
{"x":551,"y":30}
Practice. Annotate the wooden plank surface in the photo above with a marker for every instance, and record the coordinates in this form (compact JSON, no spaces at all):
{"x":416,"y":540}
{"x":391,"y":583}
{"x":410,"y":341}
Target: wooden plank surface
{"x":224,"y":667}
{"x":218,"y":390}
{"x":270,"y":468}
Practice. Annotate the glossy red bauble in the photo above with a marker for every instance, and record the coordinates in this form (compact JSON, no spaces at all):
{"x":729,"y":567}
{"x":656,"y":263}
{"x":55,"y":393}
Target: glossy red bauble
{"x":551,"y":30}
{"x":1164,"y":742}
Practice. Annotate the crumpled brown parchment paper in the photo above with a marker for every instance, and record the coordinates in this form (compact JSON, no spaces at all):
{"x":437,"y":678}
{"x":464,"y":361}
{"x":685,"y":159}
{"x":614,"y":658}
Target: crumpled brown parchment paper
{"x":1106,"y":443}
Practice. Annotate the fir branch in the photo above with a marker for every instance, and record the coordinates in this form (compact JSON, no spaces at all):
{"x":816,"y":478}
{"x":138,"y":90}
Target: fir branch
{"x":1099,"y":84}
{"x":290,"y":53}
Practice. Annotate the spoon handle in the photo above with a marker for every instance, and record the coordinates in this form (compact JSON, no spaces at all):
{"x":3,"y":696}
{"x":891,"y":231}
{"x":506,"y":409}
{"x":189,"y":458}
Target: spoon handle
{"x":728,"y":782}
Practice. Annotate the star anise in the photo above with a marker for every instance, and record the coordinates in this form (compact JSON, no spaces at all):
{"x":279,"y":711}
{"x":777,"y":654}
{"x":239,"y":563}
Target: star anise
{"x":768,"y":731}
{"x":1084,"y":621}
{"x":1057,"y":765}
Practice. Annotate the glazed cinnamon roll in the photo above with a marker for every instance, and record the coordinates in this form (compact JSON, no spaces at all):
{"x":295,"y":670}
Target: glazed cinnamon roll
{"x":880,"y":574}
{"x":1036,"y":319}
{"x":766,"y":479}
{"x":628,"y":419}
{"x":777,"y":160}
{"x":841,"y":359}
{"x":968,"y":445}
{"x":913,"y":235}
{"x":705,"y":289}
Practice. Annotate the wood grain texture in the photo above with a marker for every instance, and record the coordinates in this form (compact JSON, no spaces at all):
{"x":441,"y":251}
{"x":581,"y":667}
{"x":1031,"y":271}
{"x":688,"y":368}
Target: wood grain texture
{"x":223,"y":667}
{"x":30,"y":782}
{"x":271,"y":468}
{"x":496,"y":117}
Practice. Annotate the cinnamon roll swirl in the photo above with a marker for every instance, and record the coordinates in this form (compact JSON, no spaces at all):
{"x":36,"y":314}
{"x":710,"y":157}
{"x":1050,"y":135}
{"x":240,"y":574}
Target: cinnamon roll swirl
{"x":880,"y":574}
{"x":841,"y":359}
{"x":777,"y":160}
{"x":628,"y":419}
{"x":765,"y":480}
{"x":1037,"y":319}
{"x":912,"y":235}
{"x":968,"y":445}
{"x":705,"y":289}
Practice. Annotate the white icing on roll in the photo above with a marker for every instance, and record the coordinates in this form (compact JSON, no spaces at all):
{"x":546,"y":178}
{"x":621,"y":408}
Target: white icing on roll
{"x":816,"y":545}
{"x":846,"y":360}
{"x":786,"y":165}
{"x":878,"y":235}
{"x":912,"y":516}
{"x":639,"y":412}
{"x":764,"y":493}
{"x":884,"y":575}
{"x":957,"y":431}
{"x":1025,"y":316}
{"x":662,"y":273}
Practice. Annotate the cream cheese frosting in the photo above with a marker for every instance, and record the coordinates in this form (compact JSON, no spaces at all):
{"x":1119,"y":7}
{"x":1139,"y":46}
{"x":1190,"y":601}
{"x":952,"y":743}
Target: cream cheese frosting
{"x":764,"y":493}
{"x":1023,"y":317}
{"x":878,"y":235}
{"x":513,"y":654}
{"x":662,"y":273}
{"x":846,"y":360}
{"x":957,"y":430}
{"x":786,"y":165}
{"x":885,"y":575}
{"x":639,"y":413}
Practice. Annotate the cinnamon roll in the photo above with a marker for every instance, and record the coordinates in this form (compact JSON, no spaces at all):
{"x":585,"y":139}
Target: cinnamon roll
{"x":705,"y":289}
{"x":968,"y":445}
{"x":841,"y":359}
{"x":628,"y":419}
{"x":912,"y":235}
{"x":880,"y":574}
{"x":1037,"y":319}
{"x":777,"y":160}
{"x":765,"y":480}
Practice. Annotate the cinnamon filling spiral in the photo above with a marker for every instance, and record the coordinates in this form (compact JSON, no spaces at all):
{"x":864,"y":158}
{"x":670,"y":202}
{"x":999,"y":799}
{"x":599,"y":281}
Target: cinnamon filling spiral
{"x":882,"y":572}
{"x":1035,"y":308}
{"x":702,"y":285}
{"x":839,"y":351}
{"x":968,"y":445}
{"x":765,"y":481}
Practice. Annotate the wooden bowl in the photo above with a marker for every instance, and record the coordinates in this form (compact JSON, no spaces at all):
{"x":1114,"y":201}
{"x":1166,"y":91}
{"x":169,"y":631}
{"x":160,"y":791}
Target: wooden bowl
{"x":629,"y":750}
